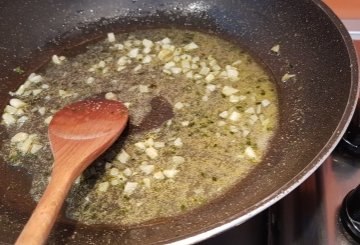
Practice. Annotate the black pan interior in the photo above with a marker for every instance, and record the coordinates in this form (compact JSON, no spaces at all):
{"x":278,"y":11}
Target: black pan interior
{"x":314,"y":107}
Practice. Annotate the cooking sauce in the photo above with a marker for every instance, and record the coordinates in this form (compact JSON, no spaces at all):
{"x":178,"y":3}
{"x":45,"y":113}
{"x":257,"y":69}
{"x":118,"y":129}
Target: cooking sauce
{"x":202,"y":113}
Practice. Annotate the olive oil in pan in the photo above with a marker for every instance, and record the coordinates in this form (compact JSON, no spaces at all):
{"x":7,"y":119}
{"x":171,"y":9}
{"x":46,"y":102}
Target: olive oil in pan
{"x":210,"y":112}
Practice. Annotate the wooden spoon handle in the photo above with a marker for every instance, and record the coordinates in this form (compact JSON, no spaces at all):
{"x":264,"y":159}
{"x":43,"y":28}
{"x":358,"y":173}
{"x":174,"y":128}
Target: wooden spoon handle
{"x":38,"y":227}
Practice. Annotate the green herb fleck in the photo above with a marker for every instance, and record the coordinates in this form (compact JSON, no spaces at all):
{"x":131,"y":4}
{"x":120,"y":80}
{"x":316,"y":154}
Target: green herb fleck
{"x":19,"y":70}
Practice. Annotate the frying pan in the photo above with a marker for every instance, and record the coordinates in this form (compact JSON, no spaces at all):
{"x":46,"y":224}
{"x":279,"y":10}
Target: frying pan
{"x":315,"y":108}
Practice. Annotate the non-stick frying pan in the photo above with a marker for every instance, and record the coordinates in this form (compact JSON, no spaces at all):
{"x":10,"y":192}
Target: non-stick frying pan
{"x":315,"y":108}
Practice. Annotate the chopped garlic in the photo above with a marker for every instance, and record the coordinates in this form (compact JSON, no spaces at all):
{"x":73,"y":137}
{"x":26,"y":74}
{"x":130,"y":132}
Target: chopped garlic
{"x":166,"y":40}
{"x":45,"y":86}
{"x":178,"y":142}
{"x":178,"y":159}
{"x":205,"y":98}
{"x":22,"y":119}
{"x":250,"y":152}
{"x":111,"y":37}
{"x":258,"y":109}
{"x":24,"y":146}
{"x":287,"y":76}
{"x":48,"y":119}
{"x":245,"y":132}
{"x":165,"y":55}
{"x":57,"y":60}
{"x":149,"y":142}
{"x":129,"y":188}
{"x":118,"y":46}
{"x":250,"y":110}
{"x":90,"y":80}
{"x":170,"y":173}
{"x":17,"y":103}
{"x":42,"y":111}
{"x":170,"y":64}
{"x":19,"y":137}
{"x":147,"y":43}
{"x":10,"y":109}
{"x":122,"y":61}
{"x":120,"y":68}
{"x":36,"y":91}
{"x":265,"y":102}
{"x":140,"y":145}
{"x":276,"y":48}
{"x":133,"y":53}
{"x":128,"y":172}
{"x":104,"y":186}
{"x":102,"y":64}
{"x":175,"y":70}
{"x":178,"y":105}
{"x":211,"y":87}
{"x":8,"y":119}
{"x":189,"y":75}
{"x":34,"y":78}
{"x":35,"y":148}
{"x":147,"y":182}
{"x":228,"y":90}
{"x":64,"y":94}
{"x":114,"y":172}
{"x":168,"y":122}
{"x":233,"y":129}
{"x":254,"y":118}
{"x":204,"y":71}
{"x":235,"y":98}
{"x":110,"y":96}
{"x":232,"y":74}
{"x":123,"y":156}
{"x":185,"y":64}
{"x":210,"y":77}
{"x":115,"y":182}
{"x":185,"y":123}
{"x":147,"y":59}
{"x":224,"y":114}
{"x":146,"y":50}
{"x":137,"y":68}
{"x":151,"y":152}
{"x":144,"y":88}
{"x":20,"y":90}
{"x":235,"y":116}
{"x":147,"y":169}
{"x":190,"y":46}
{"x":159,"y":175}
{"x":159,"y":144}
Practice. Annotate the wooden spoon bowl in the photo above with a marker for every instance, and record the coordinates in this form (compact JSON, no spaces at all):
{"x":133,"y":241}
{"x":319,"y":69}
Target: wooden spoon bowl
{"x":78,"y":134}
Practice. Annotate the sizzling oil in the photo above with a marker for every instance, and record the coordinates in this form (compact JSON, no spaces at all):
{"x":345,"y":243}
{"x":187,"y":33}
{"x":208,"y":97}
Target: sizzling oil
{"x":217,"y":137}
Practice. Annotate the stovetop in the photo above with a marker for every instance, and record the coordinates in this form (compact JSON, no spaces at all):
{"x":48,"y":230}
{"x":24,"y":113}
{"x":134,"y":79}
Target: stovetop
{"x":311,"y":213}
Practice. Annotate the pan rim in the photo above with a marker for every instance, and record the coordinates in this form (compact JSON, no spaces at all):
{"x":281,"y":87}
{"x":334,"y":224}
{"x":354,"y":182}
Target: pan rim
{"x":317,"y":161}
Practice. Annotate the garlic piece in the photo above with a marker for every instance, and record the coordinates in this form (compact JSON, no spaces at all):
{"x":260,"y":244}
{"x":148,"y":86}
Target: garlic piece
{"x":21,"y":136}
{"x":104,"y":186}
{"x":151,"y":152}
{"x":110,"y":96}
{"x":170,"y":173}
{"x":147,"y":169}
{"x":17,"y":103}
{"x":129,"y":188}
{"x":123,"y":156}
{"x":178,"y":142}
{"x":111,"y":37}
{"x":228,"y":90}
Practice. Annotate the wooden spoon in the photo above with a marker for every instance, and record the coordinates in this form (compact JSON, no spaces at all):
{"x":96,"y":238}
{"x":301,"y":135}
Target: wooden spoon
{"x":78,"y":134}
